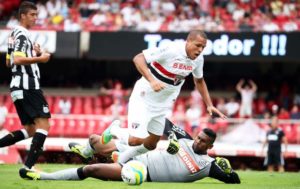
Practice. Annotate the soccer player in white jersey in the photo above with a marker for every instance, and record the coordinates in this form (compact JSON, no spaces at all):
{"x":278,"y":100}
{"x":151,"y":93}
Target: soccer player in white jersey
{"x":190,"y":164}
{"x":163,"y":73}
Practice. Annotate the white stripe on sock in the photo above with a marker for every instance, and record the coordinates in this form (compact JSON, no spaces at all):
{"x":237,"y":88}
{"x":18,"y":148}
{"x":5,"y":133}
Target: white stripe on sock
{"x":42,"y":131}
{"x":25,"y":133}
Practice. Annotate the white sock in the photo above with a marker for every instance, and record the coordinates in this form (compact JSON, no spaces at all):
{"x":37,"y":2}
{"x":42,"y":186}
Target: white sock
{"x":88,"y":150}
{"x":67,"y":174}
{"x":132,"y":152}
{"x":121,"y":134}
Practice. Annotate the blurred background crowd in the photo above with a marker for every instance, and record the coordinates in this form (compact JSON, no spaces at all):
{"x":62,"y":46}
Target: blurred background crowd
{"x":161,"y":15}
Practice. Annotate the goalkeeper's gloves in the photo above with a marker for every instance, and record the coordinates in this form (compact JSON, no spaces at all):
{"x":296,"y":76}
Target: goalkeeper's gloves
{"x":224,"y":164}
{"x":173,"y":147}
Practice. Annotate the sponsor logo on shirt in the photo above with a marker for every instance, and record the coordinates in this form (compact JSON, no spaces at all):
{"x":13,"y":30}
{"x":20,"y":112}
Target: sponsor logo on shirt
{"x":272,"y":137}
{"x":188,"y":161}
{"x":182,"y":66}
{"x":178,"y":79}
{"x":135,"y":125}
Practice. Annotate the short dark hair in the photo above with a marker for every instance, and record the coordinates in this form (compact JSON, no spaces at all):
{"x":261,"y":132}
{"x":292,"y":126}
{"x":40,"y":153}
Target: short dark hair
{"x":25,"y":7}
{"x":212,"y":134}
{"x":194,"y":33}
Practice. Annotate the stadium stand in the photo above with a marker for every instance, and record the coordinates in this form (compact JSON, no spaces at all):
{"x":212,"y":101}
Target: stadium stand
{"x":90,"y":115}
{"x":163,"y":16}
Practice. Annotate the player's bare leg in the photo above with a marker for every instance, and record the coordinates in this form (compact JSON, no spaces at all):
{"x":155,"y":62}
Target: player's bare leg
{"x":151,"y":141}
{"x":93,"y":146}
{"x":270,"y":168}
{"x":110,"y":171}
{"x":100,"y":144}
{"x":280,"y":168}
{"x":134,"y":141}
{"x":103,"y":149}
{"x":30,"y":129}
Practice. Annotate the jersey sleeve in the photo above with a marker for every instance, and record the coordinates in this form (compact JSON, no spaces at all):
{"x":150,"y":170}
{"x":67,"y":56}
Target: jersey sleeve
{"x":20,"y":46}
{"x":180,"y":133}
{"x":217,"y":173}
{"x":10,"y":46}
{"x":159,"y":54}
{"x":198,"y":71}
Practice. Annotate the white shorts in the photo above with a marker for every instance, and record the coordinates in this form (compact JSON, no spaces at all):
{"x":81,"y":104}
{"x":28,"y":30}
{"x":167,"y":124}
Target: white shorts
{"x":144,"y":118}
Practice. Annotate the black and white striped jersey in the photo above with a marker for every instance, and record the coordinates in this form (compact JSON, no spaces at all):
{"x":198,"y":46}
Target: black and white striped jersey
{"x":23,"y":76}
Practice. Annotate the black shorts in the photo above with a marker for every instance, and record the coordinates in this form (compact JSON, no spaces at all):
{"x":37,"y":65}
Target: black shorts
{"x":274,"y":158}
{"x":30,"y":104}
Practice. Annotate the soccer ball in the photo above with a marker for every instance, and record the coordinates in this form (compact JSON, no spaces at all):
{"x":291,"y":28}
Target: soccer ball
{"x":134,"y":172}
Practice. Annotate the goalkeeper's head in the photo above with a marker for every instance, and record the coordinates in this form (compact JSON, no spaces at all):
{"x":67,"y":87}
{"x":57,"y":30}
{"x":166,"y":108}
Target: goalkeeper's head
{"x":204,"y":141}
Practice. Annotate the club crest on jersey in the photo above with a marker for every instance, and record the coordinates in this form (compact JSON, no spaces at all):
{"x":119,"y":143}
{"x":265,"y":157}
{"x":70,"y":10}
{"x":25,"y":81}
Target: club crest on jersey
{"x":45,"y":109}
{"x":178,"y":79}
{"x":135,"y":125}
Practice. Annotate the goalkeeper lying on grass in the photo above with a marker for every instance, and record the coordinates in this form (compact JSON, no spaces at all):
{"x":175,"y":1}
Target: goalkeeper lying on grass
{"x":189,"y":164}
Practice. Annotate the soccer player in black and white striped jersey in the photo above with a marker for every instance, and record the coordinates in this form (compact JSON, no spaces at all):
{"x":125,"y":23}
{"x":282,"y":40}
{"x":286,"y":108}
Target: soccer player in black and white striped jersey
{"x":22,"y":57}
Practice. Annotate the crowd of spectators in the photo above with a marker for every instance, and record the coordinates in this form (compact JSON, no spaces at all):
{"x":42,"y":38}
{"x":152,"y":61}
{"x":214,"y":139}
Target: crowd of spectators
{"x":112,"y":99}
{"x":188,"y":113}
{"x":163,"y":15}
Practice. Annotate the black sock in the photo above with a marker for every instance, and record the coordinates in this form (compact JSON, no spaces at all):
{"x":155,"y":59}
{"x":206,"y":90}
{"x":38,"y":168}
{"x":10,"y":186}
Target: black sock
{"x":12,"y":138}
{"x":80,"y":173}
{"x":36,"y":149}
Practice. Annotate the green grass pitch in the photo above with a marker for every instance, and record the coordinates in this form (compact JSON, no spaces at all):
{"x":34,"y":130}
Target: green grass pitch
{"x":9,"y":179}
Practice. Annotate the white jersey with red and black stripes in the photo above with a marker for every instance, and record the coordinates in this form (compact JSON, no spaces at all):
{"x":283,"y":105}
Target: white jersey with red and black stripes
{"x":171,"y":65}
{"x":172,"y":62}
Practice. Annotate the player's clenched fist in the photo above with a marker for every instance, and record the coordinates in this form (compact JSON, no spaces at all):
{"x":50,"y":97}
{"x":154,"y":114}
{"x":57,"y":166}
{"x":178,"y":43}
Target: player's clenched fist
{"x":157,"y":85}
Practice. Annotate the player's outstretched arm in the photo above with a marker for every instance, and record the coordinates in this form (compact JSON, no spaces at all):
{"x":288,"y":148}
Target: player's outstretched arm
{"x":202,"y":88}
{"x":23,"y":60}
